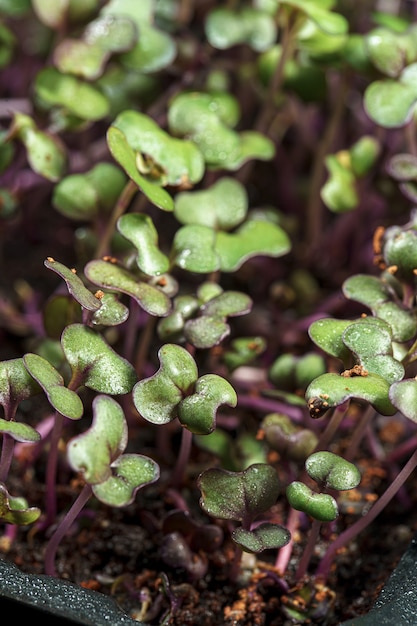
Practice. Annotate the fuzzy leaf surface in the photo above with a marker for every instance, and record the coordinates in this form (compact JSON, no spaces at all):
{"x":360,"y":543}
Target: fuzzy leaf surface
{"x":239,"y":496}
{"x":94,"y":363}
{"x":64,"y":400}
{"x":266,"y":536}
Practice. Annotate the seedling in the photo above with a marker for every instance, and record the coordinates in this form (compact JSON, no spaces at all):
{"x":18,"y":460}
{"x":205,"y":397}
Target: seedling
{"x":243,"y":496}
{"x":331,"y":472}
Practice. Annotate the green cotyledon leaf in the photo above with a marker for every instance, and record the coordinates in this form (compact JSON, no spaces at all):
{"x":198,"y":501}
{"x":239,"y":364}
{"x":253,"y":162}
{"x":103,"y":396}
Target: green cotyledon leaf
{"x":110,"y":275}
{"x":331,"y":390}
{"x":94,"y":363}
{"x":239,"y":496}
{"x":64,"y":400}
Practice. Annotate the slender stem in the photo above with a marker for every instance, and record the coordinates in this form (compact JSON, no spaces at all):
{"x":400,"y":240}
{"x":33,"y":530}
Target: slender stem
{"x":332,"y":426}
{"x":7,"y":450}
{"x":284,"y":553}
{"x":358,"y":433}
{"x":63,"y":528}
{"x":309,"y":549}
{"x":363,"y":522}
{"x":144,"y":343}
{"x":121,"y":206}
{"x":314,"y":216}
{"x":183,"y":456}
{"x":51,"y":470}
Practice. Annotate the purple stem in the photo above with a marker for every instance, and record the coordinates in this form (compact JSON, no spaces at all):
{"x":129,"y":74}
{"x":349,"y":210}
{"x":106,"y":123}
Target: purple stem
{"x":184,"y":455}
{"x":309,"y":549}
{"x":51,"y":471}
{"x":284,"y":553}
{"x":7,"y":450}
{"x":63,"y":528}
{"x":356,"y":528}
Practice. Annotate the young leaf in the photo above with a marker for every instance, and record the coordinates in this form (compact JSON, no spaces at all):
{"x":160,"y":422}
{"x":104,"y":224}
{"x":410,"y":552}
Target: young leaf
{"x":255,"y":237}
{"x":19,"y":432}
{"x":130,"y":473}
{"x":64,"y":400}
{"x":221,"y":207}
{"x":15,"y":510}
{"x":75,"y":285}
{"x":78,"y":97}
{"x":157,"y":398}
{"x":94,"y":363}
{"x":332,"y":471}
{"x":321,"y":506}
{"x":239,"y":496}
{"x":331,"y":390}
{"x":197,"y":412}
{"x":159,"y":157}
{"x":126,"y":157}
{"x":92,"y":452}
{"x":109,"y":275}
{"x":16,"y":385}
{"x":266,"y":536}
{"x":139,"y":229}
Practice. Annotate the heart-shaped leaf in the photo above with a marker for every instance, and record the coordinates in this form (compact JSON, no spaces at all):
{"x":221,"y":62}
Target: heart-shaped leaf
{"x":16,"y":385}
{"x":93,"y":452}
{"x":94,"y":363}
{"x":321,"y":506}
{"x":287,"y":438}
{"x":206,"y":120}
{"x":19,"y":432}
{"x":221,"y":207}
{"x":331,"y":390}
{"x":255,"y":237}
{"x":15,"y":510}
{"x":139,"y":229}
{"x":197,"y":412}
{"x":332,"y":471}
{"x":63,"y":400}
{"x":161,"y":158}
{"x":157,"y":397}
{"x":78,"y":97}
{"x":211,"y":328}
{"x":239,"y":496}
{"x":226,"y":28}
{"x":75,"y":285}
{"x":108,"y":275}
{"x":130,"y":473}
{"x":266,"y":536}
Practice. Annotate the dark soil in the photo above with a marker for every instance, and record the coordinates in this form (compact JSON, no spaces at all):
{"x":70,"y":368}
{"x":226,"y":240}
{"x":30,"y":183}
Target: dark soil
{"x":118,"y":552}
